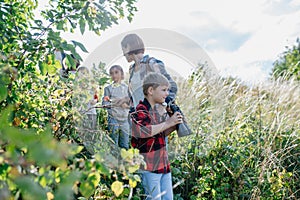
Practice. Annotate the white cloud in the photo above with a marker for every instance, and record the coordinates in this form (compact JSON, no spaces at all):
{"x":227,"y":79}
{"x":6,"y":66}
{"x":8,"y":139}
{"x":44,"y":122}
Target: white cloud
{"x":269,"y":36}
{"x":282,"y":7}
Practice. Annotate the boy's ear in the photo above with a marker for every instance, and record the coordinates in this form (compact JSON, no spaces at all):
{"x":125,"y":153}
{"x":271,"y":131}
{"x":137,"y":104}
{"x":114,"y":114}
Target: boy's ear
{"x":150,"y":90}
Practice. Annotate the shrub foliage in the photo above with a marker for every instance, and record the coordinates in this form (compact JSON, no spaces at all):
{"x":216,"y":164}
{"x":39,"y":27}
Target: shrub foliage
{"x":245,"y":143}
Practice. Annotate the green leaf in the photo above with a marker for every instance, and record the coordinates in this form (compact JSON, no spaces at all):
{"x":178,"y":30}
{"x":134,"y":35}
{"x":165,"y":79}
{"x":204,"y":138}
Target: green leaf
{"x":4,"y":118}
{"x":82,"y":25}
{"x":132,"y":183}
{"x":70,"y":62}
{"x":76,"y":56}
{"x":87,"y":188}
{"x":94,"y":178}
{"x":81,"y":46}
{"x":63,"y":114}
{"x":65,"y":191}
{"x":126,"y":155}
{"x":60,"y":25}
{"x":133,"y":168}
{"x":3,"y":92}
{"x":19,"y":137}
{"x":38,"y":22}
{"x":52,"y":70}
{"x":76,"y":149}
{"x":30,"y":189}
{"x":103,"y":170}
{"x":57,"y":64}
{"x":43,"y":68}
{"x":103,"y":80}
{"x":43,"y":181}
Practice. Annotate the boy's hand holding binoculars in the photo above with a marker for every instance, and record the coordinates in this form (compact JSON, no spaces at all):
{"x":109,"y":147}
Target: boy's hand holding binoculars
{"x":176,"y":118}
{"x":175,"y":113}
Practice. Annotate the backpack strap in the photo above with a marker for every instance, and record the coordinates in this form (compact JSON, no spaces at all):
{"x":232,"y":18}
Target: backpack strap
{"x":131,"y":69}
{"x":148,"y":67}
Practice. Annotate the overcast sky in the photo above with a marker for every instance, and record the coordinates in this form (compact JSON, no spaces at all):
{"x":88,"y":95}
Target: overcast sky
{"x":242,"y":38}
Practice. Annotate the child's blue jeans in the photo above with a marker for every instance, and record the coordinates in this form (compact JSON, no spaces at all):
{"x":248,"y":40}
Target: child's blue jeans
{"x":119,"y":132}
{"x":157,"y":186}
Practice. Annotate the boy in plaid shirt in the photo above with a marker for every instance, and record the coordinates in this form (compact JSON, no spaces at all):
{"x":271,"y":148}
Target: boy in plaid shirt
{"x":149,"y":131}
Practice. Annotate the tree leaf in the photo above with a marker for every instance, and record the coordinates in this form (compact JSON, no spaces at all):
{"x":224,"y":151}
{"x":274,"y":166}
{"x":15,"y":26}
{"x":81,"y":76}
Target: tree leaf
{"x":70,"y":62}
{"x":86,"y":189}
{"x":64,"y":191}
{"x":102,"y":169}
{"x":81,"y":46}
{"x":43,"y":68}
{"x":3,"y":92}
{"x":133,"y":168}
{"x":30,"y":189}
{"x":51,"y":69}
{"x":82,"y":25}
{"x":94,"y":178}
{"x":132,"y":183}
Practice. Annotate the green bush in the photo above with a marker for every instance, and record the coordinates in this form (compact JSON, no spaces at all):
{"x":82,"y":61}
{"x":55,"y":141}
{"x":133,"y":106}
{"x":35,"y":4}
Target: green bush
{"x":41,"y":154}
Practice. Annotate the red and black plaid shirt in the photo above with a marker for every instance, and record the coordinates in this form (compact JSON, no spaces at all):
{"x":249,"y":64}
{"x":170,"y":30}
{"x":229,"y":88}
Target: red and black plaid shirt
{"x":153,"y":148}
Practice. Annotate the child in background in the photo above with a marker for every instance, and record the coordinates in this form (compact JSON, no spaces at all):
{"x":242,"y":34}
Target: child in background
{"x":91,"y":122}
{"x":149,"y":132}
{"x":118,"y":125}
{"x":84,"y":98}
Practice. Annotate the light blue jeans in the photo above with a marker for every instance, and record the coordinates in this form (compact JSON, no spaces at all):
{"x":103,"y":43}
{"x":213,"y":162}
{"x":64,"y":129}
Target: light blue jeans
{"x":119,"y":132}
{"x":157,"y":186}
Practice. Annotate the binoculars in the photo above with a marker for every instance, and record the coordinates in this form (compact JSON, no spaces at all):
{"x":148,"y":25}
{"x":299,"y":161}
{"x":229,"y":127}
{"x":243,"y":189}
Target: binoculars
{"x":182,"y":129}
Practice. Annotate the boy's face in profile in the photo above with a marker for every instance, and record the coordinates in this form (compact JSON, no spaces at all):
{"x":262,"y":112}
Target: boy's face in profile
{"x":160,"y":93}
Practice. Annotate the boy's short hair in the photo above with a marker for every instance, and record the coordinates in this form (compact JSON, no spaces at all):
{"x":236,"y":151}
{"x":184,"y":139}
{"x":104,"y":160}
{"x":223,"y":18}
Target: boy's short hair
{"x":134,"y":43}
{"x":154,"y":80}
{"x":118,"y":67}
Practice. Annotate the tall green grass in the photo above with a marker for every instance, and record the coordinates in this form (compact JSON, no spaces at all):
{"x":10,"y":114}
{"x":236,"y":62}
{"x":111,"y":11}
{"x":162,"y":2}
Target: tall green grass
{"x":245,"y":143}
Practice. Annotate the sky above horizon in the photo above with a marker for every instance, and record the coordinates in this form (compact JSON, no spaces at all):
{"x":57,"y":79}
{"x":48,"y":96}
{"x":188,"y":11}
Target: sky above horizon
{"x":242,"y":38}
